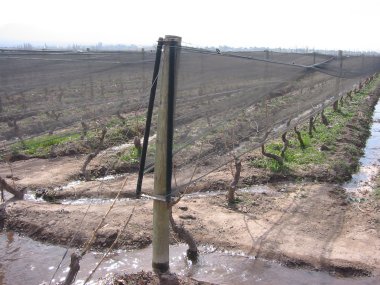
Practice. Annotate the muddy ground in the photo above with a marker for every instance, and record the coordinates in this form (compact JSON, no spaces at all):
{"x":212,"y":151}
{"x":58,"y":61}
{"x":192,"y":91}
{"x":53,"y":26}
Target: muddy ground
{"x":302,"y":218}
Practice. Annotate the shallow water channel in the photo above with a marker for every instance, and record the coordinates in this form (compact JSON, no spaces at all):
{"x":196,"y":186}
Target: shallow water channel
{"x":364,"y":180}
{"x":24,"y":261}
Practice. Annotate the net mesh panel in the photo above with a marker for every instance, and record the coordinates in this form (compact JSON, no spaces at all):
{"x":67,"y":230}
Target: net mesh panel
{"x":226,"y":104}
{"x":230,"y":103}
{"x":55,"y":92}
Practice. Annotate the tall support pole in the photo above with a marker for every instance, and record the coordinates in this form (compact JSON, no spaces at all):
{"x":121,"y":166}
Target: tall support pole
{"x":149,"y":116}
{"x":363,"y":62}
{"x":340,"y":71}
{"x":338,"y":81}
{"x":163,"y":163}
{"x":340,"y":56}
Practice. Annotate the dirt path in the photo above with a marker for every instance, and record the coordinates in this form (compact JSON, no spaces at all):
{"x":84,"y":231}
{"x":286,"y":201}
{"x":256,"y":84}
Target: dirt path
{"x":35,"y":173}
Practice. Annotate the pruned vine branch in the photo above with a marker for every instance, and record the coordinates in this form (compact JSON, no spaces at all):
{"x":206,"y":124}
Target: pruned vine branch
{"x":271,"y":155}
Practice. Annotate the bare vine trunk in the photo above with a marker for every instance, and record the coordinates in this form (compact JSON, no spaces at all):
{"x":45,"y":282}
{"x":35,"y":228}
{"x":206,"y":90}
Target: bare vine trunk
{"x":234,"y":183}
{"x":349,"y":94}
{"x":324,"y":118}
{"x":13,"y":124}
{"x":311,"y":126}
{"x":123,"y":119}
{"x":74,"y":268}
{"x":192,"y":252}
{"x":92,"y":155}
{"x":5,"y":186}
{"x":137,"y":144}
{"x":53,"y":115}
{"x":271,"y":155}
{"x":207,"y":113}
{"x":84,"y":130}
{"x":299,"y":137}
{"x":314,"y":128}
{"x":60,"y":95}
{"x":335,"y":106}
{"x":286,"y":144}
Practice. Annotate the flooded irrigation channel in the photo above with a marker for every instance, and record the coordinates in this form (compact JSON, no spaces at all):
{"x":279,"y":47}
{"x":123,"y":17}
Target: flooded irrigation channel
{"x":364,"y":179}
{"x":24,"y":261}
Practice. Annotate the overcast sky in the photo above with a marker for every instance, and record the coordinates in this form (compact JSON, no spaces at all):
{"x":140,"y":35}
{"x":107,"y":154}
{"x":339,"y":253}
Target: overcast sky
{"x":321,"y":24}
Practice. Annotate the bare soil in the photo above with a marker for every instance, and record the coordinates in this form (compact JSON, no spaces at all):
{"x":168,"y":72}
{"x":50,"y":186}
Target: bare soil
{"x":303,"y":219}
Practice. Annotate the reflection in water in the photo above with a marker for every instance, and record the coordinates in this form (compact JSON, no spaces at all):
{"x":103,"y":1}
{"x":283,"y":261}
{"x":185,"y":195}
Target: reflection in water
{"x":28,"y":262}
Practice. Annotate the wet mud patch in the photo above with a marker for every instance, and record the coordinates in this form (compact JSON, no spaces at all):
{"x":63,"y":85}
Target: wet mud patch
{"x":349,"y":272}
{"x":336,"y":271}
{"x":153,"y":279}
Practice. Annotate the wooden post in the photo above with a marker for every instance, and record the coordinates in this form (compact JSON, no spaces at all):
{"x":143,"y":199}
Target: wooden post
{"x":340,"y":55}
{"x":143,"y":86}
{"x":338,"y":81}
{"x":363,"y":62}
{"x":160,"y":260}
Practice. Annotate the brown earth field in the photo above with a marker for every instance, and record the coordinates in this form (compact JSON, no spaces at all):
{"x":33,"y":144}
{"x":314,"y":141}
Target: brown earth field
{"x":302,"y":218}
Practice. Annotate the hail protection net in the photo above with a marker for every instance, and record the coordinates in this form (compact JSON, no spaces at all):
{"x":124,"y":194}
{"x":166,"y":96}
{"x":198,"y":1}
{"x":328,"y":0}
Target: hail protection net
{"x":230,"y":103}
{"x":55,"y":103}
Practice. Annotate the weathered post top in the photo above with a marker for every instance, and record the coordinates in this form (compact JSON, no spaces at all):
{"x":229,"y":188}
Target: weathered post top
{"x":173,"y":38}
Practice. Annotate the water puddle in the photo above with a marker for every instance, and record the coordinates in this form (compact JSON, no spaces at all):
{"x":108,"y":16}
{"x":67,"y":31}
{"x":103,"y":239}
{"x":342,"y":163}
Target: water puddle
{"x":122,"y":147}
{"x":255,"y":189}
{"x":24,"y":261}
{"x":92,"y":201}
{"x":363,"y":181}
{"x":109,"y":177}
{"x":31,"y":195}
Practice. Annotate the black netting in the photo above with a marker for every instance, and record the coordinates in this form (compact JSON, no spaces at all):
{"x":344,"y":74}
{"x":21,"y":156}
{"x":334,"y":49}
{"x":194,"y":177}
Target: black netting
{"x":45,"y":93}
{"x":227,"y":103}
{"x":230,"y":103}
